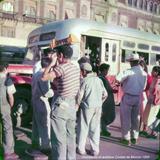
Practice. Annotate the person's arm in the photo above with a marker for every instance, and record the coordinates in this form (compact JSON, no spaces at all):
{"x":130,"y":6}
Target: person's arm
{"x":80,"y":94}
{"x":10,"y":91}
{"x":48,"y":74}
{"x":11,"y":99}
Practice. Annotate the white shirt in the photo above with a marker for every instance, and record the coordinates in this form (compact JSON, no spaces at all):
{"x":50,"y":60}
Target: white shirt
{"x":133,"y":80}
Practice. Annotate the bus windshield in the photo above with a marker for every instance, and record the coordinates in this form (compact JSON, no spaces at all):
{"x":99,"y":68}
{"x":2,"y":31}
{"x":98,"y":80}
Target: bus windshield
{"x":12,"y":54}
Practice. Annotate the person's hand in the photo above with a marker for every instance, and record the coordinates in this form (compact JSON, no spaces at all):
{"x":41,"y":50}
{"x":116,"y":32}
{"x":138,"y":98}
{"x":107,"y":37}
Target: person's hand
{"x":53,"y":59}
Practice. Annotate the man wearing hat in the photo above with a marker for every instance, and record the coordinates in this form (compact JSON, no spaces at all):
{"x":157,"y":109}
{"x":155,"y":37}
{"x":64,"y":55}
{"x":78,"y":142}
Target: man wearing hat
{"x":63,"y":108}
{"x":91,"y":95}
{"x":133,"y":82}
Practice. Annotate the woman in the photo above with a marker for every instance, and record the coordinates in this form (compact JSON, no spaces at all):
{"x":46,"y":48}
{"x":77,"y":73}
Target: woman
{"x":108,"y":107}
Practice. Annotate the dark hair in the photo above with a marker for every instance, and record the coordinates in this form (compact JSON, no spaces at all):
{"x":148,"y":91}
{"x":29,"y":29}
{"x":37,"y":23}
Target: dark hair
{"x":66,"y":50}
{"x":156,"y":69}
{"x":83,"y":60}
{"x":104,"y":66}
{"x":3,"y":66}
{"x":45,"y":62}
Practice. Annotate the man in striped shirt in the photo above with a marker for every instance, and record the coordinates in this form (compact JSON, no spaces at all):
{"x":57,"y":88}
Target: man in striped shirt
{"x":63,"y":114}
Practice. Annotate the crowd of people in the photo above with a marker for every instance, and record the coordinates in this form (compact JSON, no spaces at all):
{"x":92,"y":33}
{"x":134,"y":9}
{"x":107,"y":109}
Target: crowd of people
{"x":72,"y":104}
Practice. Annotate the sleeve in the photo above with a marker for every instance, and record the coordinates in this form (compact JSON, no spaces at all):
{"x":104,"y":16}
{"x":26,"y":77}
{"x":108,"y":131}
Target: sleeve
{"x":45,"y":88}
{"x":10,"y":86}
{"x":59,"y":71}
{"x":123,"y":75}
{"x":81,"y":93}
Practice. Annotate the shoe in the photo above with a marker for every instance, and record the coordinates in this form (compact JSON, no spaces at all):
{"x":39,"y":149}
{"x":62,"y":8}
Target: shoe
{"x":11,"y":156}
{"x":105,"y":133}
{"x":94,"y":153}
{"x":83,"y":153}
{"x":134,"y":141}
{"x":32,"y":152}
{"x":46,"y":151}
{"x":143,"y":134}
{"x":125,"y":142}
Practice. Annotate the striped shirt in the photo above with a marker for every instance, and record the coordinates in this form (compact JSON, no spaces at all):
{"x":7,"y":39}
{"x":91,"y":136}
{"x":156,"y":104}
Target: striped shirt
{"x":68,"y":79}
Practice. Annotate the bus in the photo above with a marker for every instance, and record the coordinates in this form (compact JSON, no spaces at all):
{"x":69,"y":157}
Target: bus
{"x":101,"y":42}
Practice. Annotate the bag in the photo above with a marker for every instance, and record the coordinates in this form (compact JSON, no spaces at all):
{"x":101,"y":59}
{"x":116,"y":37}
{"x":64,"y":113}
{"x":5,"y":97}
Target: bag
{"x":156,"y":93}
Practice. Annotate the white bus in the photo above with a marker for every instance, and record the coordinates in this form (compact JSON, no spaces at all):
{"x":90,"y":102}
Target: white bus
{"x":102,"y":42}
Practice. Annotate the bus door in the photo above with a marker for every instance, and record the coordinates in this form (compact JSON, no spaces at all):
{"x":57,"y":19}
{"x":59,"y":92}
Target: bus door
{"x":110,"y":55}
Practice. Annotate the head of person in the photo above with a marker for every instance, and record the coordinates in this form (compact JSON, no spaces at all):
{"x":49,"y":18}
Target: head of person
{"x":143,"y":64}
{"x":3,"y":67}
{"x":64,"y":53}
{"x":83,"y":60}
{"x":45,"y":62}
{"x":156,"y":71}
{"x":86,"y":68}
{"x":104,"y":68}
{"x":48,"y":52}
{"x":133,"y":59}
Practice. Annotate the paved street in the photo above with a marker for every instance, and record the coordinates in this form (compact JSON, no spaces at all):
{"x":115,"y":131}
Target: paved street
{"x":110,"y":148}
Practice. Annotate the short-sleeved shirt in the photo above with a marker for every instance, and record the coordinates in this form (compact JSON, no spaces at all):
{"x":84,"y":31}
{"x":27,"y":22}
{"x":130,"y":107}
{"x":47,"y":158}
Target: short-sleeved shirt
{"x":133,"y":80}
{"x":68,"y":79}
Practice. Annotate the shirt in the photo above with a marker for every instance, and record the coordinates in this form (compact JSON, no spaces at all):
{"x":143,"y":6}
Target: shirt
{"x":40,"y":88}
{"x":68,"y":79}
{"x":133,"y":80}
{"x":92,"y":92}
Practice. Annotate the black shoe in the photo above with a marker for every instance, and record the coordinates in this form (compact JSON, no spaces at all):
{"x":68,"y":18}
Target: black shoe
{"x":105,"y":133}
{"x":125,"y":142}
{"x":134,"y":141}
{"x":143,"y":134}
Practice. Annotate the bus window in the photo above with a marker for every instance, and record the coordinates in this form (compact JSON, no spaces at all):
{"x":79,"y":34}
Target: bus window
{"x":47,"y":36}
{"x":125,"y":54}
{"x":152,"y":59}
{"x":158,"y":59}
{"x":144,"y":56}
{"x":11,"y":54}
{"x":114,"y":52}
{"x":129,"y":44}
{"x":107,"y":52}
{"x":143,"y":46}
{"x":156,"y":48}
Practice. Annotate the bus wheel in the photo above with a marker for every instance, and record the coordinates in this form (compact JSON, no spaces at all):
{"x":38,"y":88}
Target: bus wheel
{"x":22,"y":110}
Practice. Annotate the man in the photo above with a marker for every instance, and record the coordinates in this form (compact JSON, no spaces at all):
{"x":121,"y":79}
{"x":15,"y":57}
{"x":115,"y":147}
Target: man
{"x":41,"y":92}
{"x":63,"y":114}
{"x":91,"y":95}
{"x":133,"y":82}
{"x":7,"y":90}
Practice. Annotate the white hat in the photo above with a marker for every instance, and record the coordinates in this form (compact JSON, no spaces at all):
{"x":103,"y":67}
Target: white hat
{"x":86,"y":66}
{"x":133,"y":57}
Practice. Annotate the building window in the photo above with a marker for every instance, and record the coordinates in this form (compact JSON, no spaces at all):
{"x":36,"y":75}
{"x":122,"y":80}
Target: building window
{"x":135,"y":3}
{"x":84,"y":10}
{"x":30,"y":10}
{"x":155,"y":8}
{"x":145,"y":4}
{"x":130,"y":2}
{"x":151,"y":6}
{"x":141,"y":4}
{"x":8,"y":7}
{"x":52,"y":15}
{"x":8,"y":32}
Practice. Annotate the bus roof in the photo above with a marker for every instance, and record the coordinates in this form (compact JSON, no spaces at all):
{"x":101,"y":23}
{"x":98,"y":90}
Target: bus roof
{"x":82,"y":26}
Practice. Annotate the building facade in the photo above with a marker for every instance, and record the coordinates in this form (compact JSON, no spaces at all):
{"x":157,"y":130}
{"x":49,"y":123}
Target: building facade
{"x":19,"y":17}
